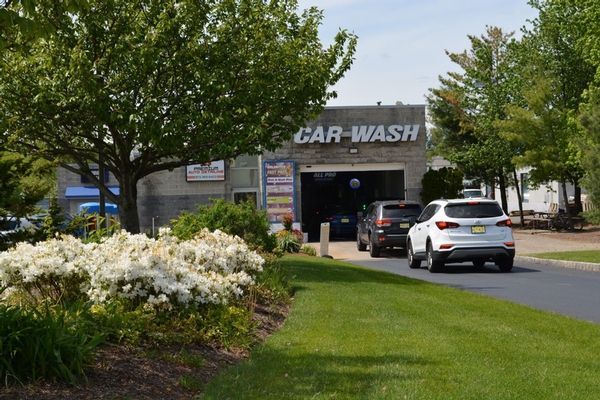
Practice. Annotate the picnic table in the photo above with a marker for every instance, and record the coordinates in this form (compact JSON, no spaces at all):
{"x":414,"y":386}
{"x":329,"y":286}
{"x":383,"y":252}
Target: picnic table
{"x":540,"y":221}
{"x":557,"y":221}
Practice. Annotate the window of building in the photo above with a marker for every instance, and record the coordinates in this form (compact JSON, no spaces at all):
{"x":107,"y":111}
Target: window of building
{"x":245,"y":179}
{"x":244,"y":172}
{"x":241,"y":196}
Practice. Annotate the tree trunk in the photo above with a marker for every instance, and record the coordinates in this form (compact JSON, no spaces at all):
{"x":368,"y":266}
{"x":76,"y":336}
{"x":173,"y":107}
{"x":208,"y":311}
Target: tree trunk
{"x":493,"y":189}
{"x":502,"y":184}
{"x":563,"y":184}
{"x":578,"y":205}
{"x":128,"y":211}
{"x":519,"y":198}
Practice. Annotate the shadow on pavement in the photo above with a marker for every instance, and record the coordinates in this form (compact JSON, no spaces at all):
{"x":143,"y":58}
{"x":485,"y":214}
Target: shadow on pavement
{"x":488,"y":269}
{"x":392,"y":253}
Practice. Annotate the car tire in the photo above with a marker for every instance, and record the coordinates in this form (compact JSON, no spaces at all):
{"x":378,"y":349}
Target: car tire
{"x":479,"y":263}
{"x":433,"y":265}
{"x":410,"y":257}
{"x":360,"y":246}
{"x":506,"y":264}
{"x":373,"y":249}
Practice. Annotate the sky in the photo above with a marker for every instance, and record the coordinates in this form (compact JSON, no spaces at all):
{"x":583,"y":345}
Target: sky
{"x":402,"y":43}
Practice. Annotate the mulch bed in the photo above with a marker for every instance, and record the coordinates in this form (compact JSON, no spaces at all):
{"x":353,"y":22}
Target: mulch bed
{"x":121,"y":372}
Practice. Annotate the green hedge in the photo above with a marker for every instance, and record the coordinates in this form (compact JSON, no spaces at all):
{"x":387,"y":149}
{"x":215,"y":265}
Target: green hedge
{"x":243,"y":220}
{"x":445,"y":183}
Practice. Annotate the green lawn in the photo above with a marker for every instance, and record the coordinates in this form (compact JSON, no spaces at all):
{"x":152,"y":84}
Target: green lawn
{"x":592,"y":256}
{"x":360,"y":334}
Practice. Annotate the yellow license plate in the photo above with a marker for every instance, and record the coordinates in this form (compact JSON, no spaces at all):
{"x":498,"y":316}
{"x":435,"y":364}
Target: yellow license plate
{"x":345,"y":220}
{"x":404,"y":225}
{"x":478,"y":229}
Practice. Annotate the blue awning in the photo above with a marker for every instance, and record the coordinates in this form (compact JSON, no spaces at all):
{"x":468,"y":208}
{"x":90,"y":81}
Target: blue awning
{"x":93,"y":207}
{"x":86,"y":192}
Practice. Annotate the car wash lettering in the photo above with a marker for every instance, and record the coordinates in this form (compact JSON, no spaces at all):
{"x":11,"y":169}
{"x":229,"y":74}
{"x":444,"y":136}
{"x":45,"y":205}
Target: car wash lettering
{"x":358,"y":134}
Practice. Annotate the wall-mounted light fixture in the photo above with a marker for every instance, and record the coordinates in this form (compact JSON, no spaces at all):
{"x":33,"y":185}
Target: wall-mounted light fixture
{"x":353,"y":150}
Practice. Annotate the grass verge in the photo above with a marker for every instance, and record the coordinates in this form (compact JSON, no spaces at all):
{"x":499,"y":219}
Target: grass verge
{"x":591,"y":256}
{"x":360,"y":334}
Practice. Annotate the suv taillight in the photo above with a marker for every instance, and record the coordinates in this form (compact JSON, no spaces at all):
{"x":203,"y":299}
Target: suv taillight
{"x":446,"y":225}
{"x":506,"y":222}
{"x":383,"y":222}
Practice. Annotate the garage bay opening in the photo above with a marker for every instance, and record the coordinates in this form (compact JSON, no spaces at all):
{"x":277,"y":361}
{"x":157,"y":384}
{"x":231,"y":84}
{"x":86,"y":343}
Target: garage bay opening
{"x":336,"y":197}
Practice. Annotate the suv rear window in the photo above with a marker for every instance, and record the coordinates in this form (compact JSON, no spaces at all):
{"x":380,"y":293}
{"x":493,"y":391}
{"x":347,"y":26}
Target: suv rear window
{"x":473,"y":210}
{"x":401,"y":210}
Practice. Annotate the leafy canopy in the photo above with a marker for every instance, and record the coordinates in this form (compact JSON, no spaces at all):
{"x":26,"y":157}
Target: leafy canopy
{"x":24,"y":181}
{"x":466,"y":106}
{"x":159,"y":84}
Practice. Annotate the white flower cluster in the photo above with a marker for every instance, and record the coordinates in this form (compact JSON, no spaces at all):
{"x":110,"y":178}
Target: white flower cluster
{"x":211,"y":268}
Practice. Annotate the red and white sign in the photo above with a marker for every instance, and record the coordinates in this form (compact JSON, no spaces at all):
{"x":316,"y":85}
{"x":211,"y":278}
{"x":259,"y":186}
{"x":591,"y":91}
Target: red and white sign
{"x":213,"y":171}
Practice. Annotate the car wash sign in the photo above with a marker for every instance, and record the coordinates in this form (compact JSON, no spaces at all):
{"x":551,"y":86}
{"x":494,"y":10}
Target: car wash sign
{"x":358,"y":134}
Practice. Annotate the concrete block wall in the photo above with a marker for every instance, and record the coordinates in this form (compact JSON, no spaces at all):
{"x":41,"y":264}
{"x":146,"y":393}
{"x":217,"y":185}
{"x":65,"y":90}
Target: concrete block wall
{"x":165,"y":194}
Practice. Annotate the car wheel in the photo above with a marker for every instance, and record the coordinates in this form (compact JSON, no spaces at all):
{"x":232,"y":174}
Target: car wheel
{"x":359,"y":244}
{"x":410,"y":256}
{"x":373,"y":249}
{"x":433,"y":265}
{"x":479,"y":263}
{"x":505,"y":264}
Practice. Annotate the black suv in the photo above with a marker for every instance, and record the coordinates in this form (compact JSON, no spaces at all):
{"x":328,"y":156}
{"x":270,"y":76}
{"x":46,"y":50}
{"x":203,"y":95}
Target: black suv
{"x":385,"y":224}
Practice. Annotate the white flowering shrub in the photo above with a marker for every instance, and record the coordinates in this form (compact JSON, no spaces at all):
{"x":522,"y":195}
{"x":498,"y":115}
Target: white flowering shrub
{"x":211,"y":268}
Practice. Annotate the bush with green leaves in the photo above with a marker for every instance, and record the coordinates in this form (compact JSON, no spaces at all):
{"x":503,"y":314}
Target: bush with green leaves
{"x":227,"y":324}
{"x":242,"y":220}
{"x":48,"y":342}
{"x":445,"y":183}
{"x":272,"y":283}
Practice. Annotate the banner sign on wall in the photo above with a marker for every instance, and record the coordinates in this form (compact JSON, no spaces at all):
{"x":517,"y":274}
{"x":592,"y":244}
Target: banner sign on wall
{"x":279,"y":181}
{"x":213,"y":171}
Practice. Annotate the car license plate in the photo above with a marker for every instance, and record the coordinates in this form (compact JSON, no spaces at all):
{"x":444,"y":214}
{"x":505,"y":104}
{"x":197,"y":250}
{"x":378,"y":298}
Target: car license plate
{"x":404,"y":225}
{"x":478,"y":229}
{"x":345,"y":220}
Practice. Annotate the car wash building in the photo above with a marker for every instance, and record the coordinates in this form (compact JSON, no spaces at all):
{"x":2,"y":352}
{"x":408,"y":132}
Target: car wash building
{"x":347,"y":158}
{"x":334,"y":165}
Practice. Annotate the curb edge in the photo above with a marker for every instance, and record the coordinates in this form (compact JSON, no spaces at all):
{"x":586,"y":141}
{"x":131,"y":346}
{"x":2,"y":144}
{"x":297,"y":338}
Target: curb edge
{"x":583,"y":266}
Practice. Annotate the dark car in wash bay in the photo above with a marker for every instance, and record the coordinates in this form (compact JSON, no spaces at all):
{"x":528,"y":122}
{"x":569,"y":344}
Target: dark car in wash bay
{"x":385,"y":224}
{"x":342,"y":222}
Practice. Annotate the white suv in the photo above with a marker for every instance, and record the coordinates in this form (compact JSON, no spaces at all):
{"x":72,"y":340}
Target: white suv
{"x":461,"y":230}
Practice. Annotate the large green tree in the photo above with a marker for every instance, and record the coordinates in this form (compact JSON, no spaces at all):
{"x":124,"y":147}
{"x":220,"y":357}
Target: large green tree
{"x":466,"y":106}
{"x":584,"y":22}
{"x":24,"y":181}
{"x":557,"y":75}
{"x":591,"y":151}
{"x":158,"y":84}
